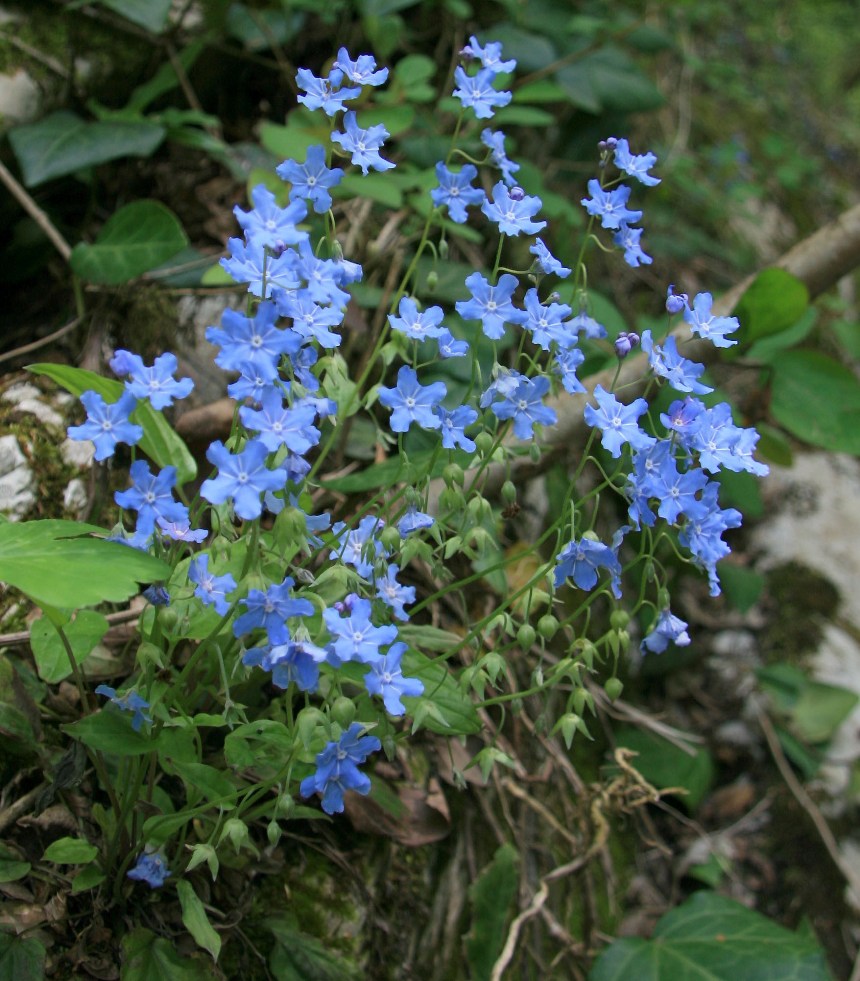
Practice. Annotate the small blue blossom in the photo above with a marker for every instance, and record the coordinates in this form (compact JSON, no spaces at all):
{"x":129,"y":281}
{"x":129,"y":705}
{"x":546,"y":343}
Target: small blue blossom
{"x":151,"y":494}
{"x":269,"y":225}
{"x":412,"y":402}
{"x":156,"y":595}
{"x":567,"y":360}
{"x":270,"y":610}
{"x":676,"y":302}
{"x":107,"y":423}
{"x":151,"y":868}
{"x":155,"y":383}
{"x":635,"y":165}
{"x":414,"y":520}
{"x":525,"y":407}
{"x":667,"y":629}
{"x":418,"y":326}
{"x":337,"y":768}
{"x":547,"y":262}
{"x":310,"y":319}
{"x":450,"y":346}
{"x":495,"y":143}
{"x":580,"y":560}
{"x":454,"y":424}
{"x":252,"y":383}
{"x":703,"y":535}
{"x":617,"y":421}
{"x":583,"y":324}
{"x":394,"y":593}
{"x":211,"y":590}
{"x":709,"y":326}
{"x":280,"y":425}
{"x":547,"y":323}
{"x":359,"y":547}
{"x":363,"y":144}
{"x":180,"y":530}
{"x":492,"y":305}
{"x":257,"y":341}
{"x":357,"y":638}
{"x":312,"y":180}
{"x":455,"y":191}
{"x":385,"y":678}
{"x":490,"y":56}
{"x":628,"y":239}
{"x":324,"y":93}
{"x":242,"y":478}
{"x":666,"y":362}
{"x":477,"y":92}
{"x":362,"y":71}
{"x":259,"y":268}
{"x":128,"y":701}
{"x":609,"y":206}
{"x":512,"y":212}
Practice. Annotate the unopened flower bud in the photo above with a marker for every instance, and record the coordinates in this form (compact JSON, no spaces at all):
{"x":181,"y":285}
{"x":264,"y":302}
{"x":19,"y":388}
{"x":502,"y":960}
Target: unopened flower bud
{"x":432,"y":280}
{"x":526,"y":636}
{"x":509,"y":492}
{"x":625,"y":342}
{"x":613,"y":688}
{"x":676,"y":302}
{"x":516,"y":194}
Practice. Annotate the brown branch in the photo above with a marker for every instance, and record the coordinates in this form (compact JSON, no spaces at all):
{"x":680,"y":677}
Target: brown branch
{"x":35,"y":212}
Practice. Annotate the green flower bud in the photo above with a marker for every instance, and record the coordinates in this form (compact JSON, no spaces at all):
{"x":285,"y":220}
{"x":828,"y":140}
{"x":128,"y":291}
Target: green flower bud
{"x":390,"y":538}
{"x":432,"y":280}
{"x":343,"y":711}
{"x":613,"y":688}
{"x":453,"y":474}
{"x":509,"y":492}
{"x":547,"y":626}
{"x":526,"y":636}
{"x":484,"y":442}
{"x":619,"y":619}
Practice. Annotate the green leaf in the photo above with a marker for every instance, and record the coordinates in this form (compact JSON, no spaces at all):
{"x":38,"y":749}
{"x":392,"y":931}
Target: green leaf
{"x":52,"y":563}
{"x":821,"y":709}
{"x":492,"y":895}
{"x":380,"y":8}
{"x":710,"y":938}
{"x":414,"y":69}
{"x":160,"y":442}
{"x":385,"y":474}
{"x":520,"y":115}
{"x":21,"y":960}
{"x":52,"y":659}
{"x":196,"y":921}
{"x":151,"y":15}
{"x":212,"y":783}
{"x":12,"y":868}
{"x":297,"y":956}
{"x":139,"y":237}
{"x":88,"y":878}
{"x":252,"y":743}
{"x":150,"y":958}
{"x":110,"y":731}
{"x":447,"y":710}
{"x":773,"y":302}
{"x":70,"y":851}
{"x":62,"y":143}
{"x":427,"y":638}
{"x":665,"y":765}
{"x":742,"y":586}
{"x":165,"y":79}
{"x":376,"y":187}
{"x":816,"y":399}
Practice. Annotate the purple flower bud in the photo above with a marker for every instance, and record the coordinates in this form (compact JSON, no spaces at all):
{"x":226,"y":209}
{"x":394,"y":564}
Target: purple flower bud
{"x":516,"y":194}
{"x":676,"y":302}
{"x":625,"y":342}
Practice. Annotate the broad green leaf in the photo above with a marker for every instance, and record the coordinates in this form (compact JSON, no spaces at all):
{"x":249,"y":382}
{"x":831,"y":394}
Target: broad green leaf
{"x":383,"y":474}
{"x":816,"y":399}
{"x":21,"y":959}
{"x":151,"y":15}
{"x":196,"y":921}
{"x":150,"y":958}
{"x":165,"y":79}
{"x":12,"y":868}
{"x":53,"y":564}
{"x":665,"y":765}
{"x":19,"y":713}
{"x":139,"y":237}
{"x":88,"y":878}
{"x":414,"y":69}
{"x":292,"y":141}
{"x":110,"y":731}
{"x":765,"y":349}
{"x":521,"y":115}
{"x":492,"y":896}
{"x":82,"y":633}
{"x":212,"y":783}
{"x":265,"y":741}
{"x":427,"y":638}
{"x":711,"y":938}
{"x":396,"y":119}
{"x":297,"y":956}
{"x":160,"y":442}
{"x":454,"y":715}
{"x":374,"y":186}
{"x":70,"y":851}
{"x":773,"y":302}
{"x":62,"y":143}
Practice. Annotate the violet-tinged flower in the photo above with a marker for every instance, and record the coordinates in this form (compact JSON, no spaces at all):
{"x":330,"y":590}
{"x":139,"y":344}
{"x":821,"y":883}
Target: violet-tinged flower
{"x":269,"y":225}
{"x":312,"y":180}
{"x":666,"y":362}
{"x":547,"y":323}
{"x":583,"y":324}
{"x":359,"y":547}
{"x":492,"y":305}
{"x":357,"y":638}
{"x":252,"y":384}
{"x":455,"y":191}
{"x":511,"y":212}
{"x":625,"y":342}
{"x":385,"y":678}
{"x":618,"y":422}
{"x":324,"y":93}
{"x":477,"y":92}
{"x":242,"y":478}
{"x":128,"y":701}
{"x":453,"y":425}
{"x":580,"y":560}
{"x":414,"y":520}
{"x":259,"y":268}
{"x":547,"y":262}
{"x":337,"y":768}
{"x":151,"y":494}
{"x":495,"y":143}
{"x":310,"y":319}
{"x":412,"y":402}
{"x":363,"y":144}
{"x":709,"y":326}
{"x":635,"y":165}
{"x":151,"y":868}
{"x":180,"y":530}
{"x":362,"y":71}
{"x":567,"y":360}
{"x":107,"y":423}
{"x":450,"y":346}
{"x":490,"y":56}
{"x":667,"y":629}
{"x":525,"y":407}
{"x":610,"y":206}
{"x":211,"y":590}
{"x":155,"y":383}
{"x":418,"y":326}
{"x":628,"y":239}
{"x":676,"y":302}
{"x":394,"y":593}
{"x":271,"y":610}
{"x":257,"y":341}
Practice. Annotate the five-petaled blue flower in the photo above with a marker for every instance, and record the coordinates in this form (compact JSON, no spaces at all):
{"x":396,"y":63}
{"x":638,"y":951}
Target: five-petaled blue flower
{"x":617,"y":421}
{"x":635,"y":165}
{"x":477,"y":92}
{"x":155,"y":383}
{"x":107,"y":423}
{"x":128,"y":701}
{"x":513,"y":212}
{"x":610,"y":206}
{"x":525,"y":407}
{"x":455,"y":191}
{"x":385,"y":678}
{"x":151,"y":868}
{"x":242,"y":478}
{"x":492,"y":305}
{"x":412,"y":402}
{"x":363,"y":144}
{"x":580,"y":560}
{"x":337,"y":768}
{"x":667,"y":629}
{"x":212,"y":590}
{"x":312,"y":180}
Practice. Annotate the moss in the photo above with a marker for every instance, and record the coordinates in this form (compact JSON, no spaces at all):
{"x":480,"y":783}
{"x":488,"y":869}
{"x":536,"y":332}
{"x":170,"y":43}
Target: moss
{"x":803,"y":600}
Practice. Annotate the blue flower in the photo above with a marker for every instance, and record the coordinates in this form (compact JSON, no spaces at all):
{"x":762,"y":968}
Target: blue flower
{"x":337,"y":768}
{"x":295,"y":662}
{"x":363,"y":144}
{"x":385,"y":678}
{"x":453,"y":426}
{"x":450,"y":346}
{"x":310,"y":319}
{"x":279,"y":425}
{"x":547,"y":323}
{"x":359,"y":547}
{"x":490,"y":56}
{"x":271,"y":610}
{"x":580,"y":560}
{"x":513,"y":211}
{"x":128,"y":701}
{"x":495,"y":143}
{"x":270,"y":225}
{"x":156,"y":383}
{"x":107,"y":423}
{"x":412,"y":402}
{"x":180,"y":530}
{"x":242,"y":478}
{"x":582,"y":323}
{"x":676,"y":302}
{"x":323,"y":276}
{"x":618,"y":422}
{"x":491,"y":305}
{"x":362,"y":71}
{"x":414,"y":520}
{"x":252,"y":383}
{"x":455,"y":190}
{"x":393,"y":593}
{"x":418,"y":326}
{"x":477,"y":92}
{"x":567,"y":360}
{"x":704,"y":323}
{"x":547,"y":262}
{"x":609,"y":206}
{"x":667,"y":629}
{"x":635,"y":165}
{"x":324,"y":93}
{"x":151,"y":868}
{"x":258,"y":341}
{"x":524,"y":406}
{"x":357,"y":638}
{"x":666,"y":362}
{"x":151,"y":495}
{"x":628,"y":239}
{"x":312,"y":180}
{"x":254,"y":265}
{"x":703,"y":535}
{"x":211,"y":590}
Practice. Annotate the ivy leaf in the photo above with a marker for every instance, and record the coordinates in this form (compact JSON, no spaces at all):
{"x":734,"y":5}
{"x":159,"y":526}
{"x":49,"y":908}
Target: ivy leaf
{"x":55,"y":565}
{"x":63,"y":143}
{"x":711,"y":938}
{"x":141,"y":236}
